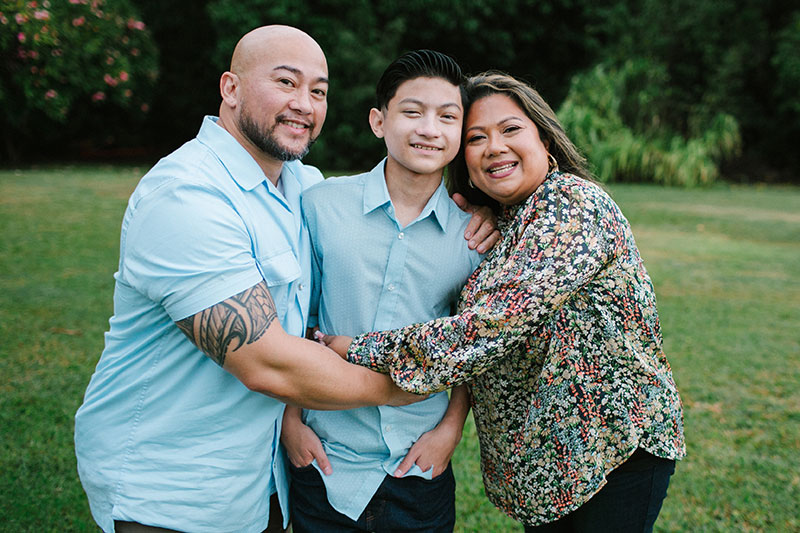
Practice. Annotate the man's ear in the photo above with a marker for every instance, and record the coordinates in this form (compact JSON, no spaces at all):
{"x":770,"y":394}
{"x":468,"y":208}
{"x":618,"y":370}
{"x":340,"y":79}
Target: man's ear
{"x":376,"y":122}
{"x":229,"y":89}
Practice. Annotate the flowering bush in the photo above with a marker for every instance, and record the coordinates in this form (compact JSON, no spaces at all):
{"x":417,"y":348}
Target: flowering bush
{"x":62,"y":57}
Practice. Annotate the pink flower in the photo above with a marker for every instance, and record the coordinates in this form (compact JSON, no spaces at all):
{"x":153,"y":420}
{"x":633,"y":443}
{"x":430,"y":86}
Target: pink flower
{"x":135,"y":24}
{"x":20,"y":18}
{"x":33,"y":54}
{"x":135,"y":52}
{"x":57,"y":52}
{"x":21,"y":37}
{"x":49,"y":95}
{"x":78,"y":21}
{"x":33,"y":5}
{"x":128,"y":93}
{"x":34,"y":70}
{"x":41,"y":15}
{"x":3,"y":19}
{"x":75,"y":2}
{"x":109,"y":60}
{"x":110,"y":80}
{"x":145,"y":108}
{"x":123,"y":76}
{"x":99,"y":96}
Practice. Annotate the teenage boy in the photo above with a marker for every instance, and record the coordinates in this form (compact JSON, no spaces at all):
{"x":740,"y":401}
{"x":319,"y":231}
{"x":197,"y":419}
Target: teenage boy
{"x":388,"y":251}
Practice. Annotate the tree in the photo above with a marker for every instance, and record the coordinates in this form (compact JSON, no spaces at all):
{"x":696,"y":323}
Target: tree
{"x":68,"y":64}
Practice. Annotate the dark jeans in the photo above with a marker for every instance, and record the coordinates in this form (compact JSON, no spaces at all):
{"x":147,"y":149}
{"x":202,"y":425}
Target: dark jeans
{"x":629,"y":502}
{"x":401,"y":504}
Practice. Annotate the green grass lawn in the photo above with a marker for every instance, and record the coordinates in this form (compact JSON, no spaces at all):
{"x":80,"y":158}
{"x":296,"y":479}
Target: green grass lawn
{"x":725,"y":263}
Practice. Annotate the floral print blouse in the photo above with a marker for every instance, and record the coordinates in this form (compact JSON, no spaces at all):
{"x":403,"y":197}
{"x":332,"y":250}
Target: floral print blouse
{"x":558,"y":336}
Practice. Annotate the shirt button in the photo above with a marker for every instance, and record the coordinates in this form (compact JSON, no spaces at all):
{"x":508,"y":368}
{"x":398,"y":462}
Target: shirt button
{"x":302,"y":286}
{"x":390,"y":287}
{"x":388,"y":428}
{"x":401,"y":235}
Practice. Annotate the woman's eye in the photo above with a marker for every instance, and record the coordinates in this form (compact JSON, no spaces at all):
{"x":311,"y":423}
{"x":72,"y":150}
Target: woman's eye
{"x":510,"y":129}
{"x":475,"y":138}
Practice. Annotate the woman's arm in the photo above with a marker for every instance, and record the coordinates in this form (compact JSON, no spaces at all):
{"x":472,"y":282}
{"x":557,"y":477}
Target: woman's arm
{"x":566,"y":235}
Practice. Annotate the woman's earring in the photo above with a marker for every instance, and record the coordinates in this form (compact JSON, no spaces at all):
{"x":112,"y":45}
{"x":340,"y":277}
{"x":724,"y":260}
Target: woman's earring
{"x":552,"y":164}
{"x":471,"y":185}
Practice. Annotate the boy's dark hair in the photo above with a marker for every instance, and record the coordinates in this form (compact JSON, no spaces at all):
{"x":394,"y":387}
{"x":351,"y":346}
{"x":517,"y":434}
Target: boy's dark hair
{"x":417,"y":64}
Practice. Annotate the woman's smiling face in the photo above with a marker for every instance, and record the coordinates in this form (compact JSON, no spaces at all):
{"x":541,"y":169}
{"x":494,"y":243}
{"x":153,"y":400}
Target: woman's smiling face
{"x":505,"y":156}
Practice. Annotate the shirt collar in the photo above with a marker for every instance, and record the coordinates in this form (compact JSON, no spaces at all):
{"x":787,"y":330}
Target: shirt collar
{"x":375,"y":192}
{"x":376,"y":195}
{"x":240,"y":164}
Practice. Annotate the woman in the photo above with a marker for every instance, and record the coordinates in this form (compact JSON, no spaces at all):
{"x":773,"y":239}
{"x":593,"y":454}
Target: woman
{"x":579,"y":419}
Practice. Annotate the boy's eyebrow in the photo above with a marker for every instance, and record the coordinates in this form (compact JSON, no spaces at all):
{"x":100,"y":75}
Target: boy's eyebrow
{"x":298,"y":72}
{"x":421,"y":103}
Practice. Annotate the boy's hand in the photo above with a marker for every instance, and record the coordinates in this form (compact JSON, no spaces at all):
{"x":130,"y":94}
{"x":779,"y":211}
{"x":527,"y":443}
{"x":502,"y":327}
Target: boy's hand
{"x":481,"y":232}
{"x":432,"y":450}
{"x":301,"y":443}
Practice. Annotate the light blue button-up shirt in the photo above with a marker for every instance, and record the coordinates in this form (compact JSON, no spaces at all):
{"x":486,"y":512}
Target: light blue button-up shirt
{"x":165,"y":436}
{"x":373,"y":274}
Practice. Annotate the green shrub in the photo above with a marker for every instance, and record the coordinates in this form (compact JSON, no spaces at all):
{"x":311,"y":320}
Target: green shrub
{"x":63,"y":59}
{"x":616,"y":114}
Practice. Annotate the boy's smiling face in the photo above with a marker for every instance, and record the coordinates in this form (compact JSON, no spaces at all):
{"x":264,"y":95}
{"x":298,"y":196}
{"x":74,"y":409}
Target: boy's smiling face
{"x":421,"y":125}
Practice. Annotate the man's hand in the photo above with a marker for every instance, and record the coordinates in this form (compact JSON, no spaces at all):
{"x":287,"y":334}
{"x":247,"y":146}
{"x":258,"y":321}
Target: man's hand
{"x":481,"y":233}
{"x":301,"y":443}
{"x":432,"y":450}
{"x":338,"y":343}
{"x":341,"y":343}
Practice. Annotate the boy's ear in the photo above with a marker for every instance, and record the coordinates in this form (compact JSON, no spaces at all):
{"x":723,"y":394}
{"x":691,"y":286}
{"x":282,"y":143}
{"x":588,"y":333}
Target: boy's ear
{"x":376,"y":122}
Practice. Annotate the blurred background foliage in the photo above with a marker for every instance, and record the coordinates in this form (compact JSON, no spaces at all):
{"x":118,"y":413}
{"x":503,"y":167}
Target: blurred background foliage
{"x":683,"y":92}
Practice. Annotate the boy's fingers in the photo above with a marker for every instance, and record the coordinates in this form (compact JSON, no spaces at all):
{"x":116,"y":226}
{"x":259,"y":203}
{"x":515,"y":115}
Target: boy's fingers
{"x":322,"y":461}
{"x":405,"y":465}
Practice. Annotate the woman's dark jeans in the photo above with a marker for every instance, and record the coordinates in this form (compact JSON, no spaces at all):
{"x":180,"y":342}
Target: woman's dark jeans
{"x":629,"y":502}
{"x":406,"y":504}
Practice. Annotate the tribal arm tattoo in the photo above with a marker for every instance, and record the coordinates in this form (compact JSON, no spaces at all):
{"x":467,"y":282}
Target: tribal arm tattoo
{"x":241,"y":319}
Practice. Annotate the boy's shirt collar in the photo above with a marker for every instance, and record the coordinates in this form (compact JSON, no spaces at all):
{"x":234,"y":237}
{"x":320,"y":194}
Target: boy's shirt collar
{"x":376,"y":195}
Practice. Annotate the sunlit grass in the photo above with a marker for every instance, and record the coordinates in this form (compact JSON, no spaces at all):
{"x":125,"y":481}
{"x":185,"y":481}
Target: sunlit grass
{"x":725,"y":263}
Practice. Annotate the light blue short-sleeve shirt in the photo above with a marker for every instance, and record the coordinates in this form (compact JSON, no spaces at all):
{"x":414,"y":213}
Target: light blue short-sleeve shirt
{"x":165,"y":436}
{"x":372,"y":274}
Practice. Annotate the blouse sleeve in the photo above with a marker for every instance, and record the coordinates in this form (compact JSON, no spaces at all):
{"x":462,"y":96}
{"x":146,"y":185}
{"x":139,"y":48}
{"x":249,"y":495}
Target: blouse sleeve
{"x":568,"y":234}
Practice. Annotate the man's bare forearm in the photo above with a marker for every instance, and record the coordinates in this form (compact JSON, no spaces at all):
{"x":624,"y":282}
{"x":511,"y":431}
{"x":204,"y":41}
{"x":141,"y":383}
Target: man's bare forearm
{"x":242,"y":335}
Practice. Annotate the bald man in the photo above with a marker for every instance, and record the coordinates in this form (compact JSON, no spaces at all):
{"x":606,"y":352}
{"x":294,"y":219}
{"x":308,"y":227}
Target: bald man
{"x":180,"y":423}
